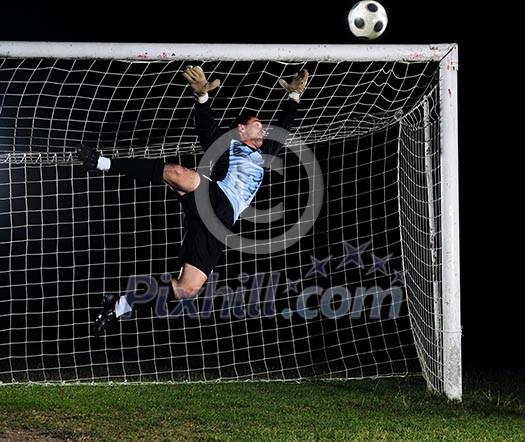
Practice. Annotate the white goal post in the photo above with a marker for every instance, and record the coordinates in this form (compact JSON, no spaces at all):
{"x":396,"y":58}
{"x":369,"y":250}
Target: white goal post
{"x":371,"y":290}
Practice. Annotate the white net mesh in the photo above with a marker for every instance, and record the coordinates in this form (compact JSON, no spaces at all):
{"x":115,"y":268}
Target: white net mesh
{"x":333,"y":305}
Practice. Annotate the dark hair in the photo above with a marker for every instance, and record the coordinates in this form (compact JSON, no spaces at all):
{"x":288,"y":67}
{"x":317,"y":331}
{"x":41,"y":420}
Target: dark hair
{"x":243,"y":118}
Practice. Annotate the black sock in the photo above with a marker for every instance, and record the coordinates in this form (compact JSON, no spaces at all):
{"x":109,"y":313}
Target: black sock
{"x":143,"y":170}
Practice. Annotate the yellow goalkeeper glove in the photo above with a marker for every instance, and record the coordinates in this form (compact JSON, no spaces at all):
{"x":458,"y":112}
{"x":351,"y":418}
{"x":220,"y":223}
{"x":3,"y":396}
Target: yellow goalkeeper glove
{"x":297,"y":85}
{"x":197,"y":80}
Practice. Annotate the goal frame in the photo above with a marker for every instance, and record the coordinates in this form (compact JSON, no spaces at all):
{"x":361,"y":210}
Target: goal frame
{"x":445,"y":54}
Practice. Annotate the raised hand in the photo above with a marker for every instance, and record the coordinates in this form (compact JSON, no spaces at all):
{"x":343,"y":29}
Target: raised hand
{"x":198,"y":82}
{"x":297,"y":83}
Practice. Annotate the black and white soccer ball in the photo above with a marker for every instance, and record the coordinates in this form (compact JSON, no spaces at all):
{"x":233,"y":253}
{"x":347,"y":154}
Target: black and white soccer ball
{"x":367,"y":19}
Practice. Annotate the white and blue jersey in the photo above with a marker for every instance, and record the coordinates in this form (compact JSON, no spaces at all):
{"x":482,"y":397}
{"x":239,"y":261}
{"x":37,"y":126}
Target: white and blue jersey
{"x":243,"y":177}
{"x":239,"y":172}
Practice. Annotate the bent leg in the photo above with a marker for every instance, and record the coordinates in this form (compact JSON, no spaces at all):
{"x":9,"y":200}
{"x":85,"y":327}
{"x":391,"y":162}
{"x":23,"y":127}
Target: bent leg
{"x":191,"y":280}
{"x":180,"y":178}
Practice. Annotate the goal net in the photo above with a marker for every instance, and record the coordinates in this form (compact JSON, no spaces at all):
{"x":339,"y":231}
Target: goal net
{"x":369,"y":288}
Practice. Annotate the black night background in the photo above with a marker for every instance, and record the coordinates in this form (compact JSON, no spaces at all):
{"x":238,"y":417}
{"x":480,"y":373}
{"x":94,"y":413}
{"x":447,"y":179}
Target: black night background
{"x":489,"y":139}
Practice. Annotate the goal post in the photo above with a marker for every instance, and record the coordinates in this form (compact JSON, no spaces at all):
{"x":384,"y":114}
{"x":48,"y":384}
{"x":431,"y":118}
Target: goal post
{"x":450,"y":210}
{"x":225,"y":51}
{"x":370,"y":289}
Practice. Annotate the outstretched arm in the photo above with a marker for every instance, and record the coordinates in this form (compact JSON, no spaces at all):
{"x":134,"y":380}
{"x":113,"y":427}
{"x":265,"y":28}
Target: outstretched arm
{"x":295,"y":89}
{"x":207,"y":128}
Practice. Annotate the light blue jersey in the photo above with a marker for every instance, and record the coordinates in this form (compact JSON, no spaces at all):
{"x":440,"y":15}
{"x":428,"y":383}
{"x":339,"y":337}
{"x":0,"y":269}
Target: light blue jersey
{"x":244,"y":176}
{"x":239,"y":170}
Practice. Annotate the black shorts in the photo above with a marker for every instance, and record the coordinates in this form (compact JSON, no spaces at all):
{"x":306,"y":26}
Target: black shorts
{"x":200,"y":247}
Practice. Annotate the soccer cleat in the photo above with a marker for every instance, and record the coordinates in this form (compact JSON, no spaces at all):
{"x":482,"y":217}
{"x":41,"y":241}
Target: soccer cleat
{"x":107,"y":317}
{"x":88,"y":157}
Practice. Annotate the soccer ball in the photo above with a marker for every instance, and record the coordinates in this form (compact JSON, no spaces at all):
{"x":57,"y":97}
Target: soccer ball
{"x":367,"y":19}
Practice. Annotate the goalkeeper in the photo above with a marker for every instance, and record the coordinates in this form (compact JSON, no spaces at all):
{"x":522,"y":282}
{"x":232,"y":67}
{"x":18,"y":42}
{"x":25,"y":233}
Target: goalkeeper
{"x":235,"y":178}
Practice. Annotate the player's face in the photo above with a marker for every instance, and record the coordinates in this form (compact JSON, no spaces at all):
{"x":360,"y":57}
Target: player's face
{"x":252,"y":133}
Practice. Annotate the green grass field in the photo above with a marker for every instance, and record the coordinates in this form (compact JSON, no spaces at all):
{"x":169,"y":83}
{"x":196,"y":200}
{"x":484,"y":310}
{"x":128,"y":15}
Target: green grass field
{"x":493,"y":409}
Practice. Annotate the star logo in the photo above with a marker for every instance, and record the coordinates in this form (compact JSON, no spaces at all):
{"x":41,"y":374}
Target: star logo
{"x":399,"y":276}
{"x":291,"y":286}
{"x":318,"y":266}
{"x":379,"y":264}
{"x":353,"y":255}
